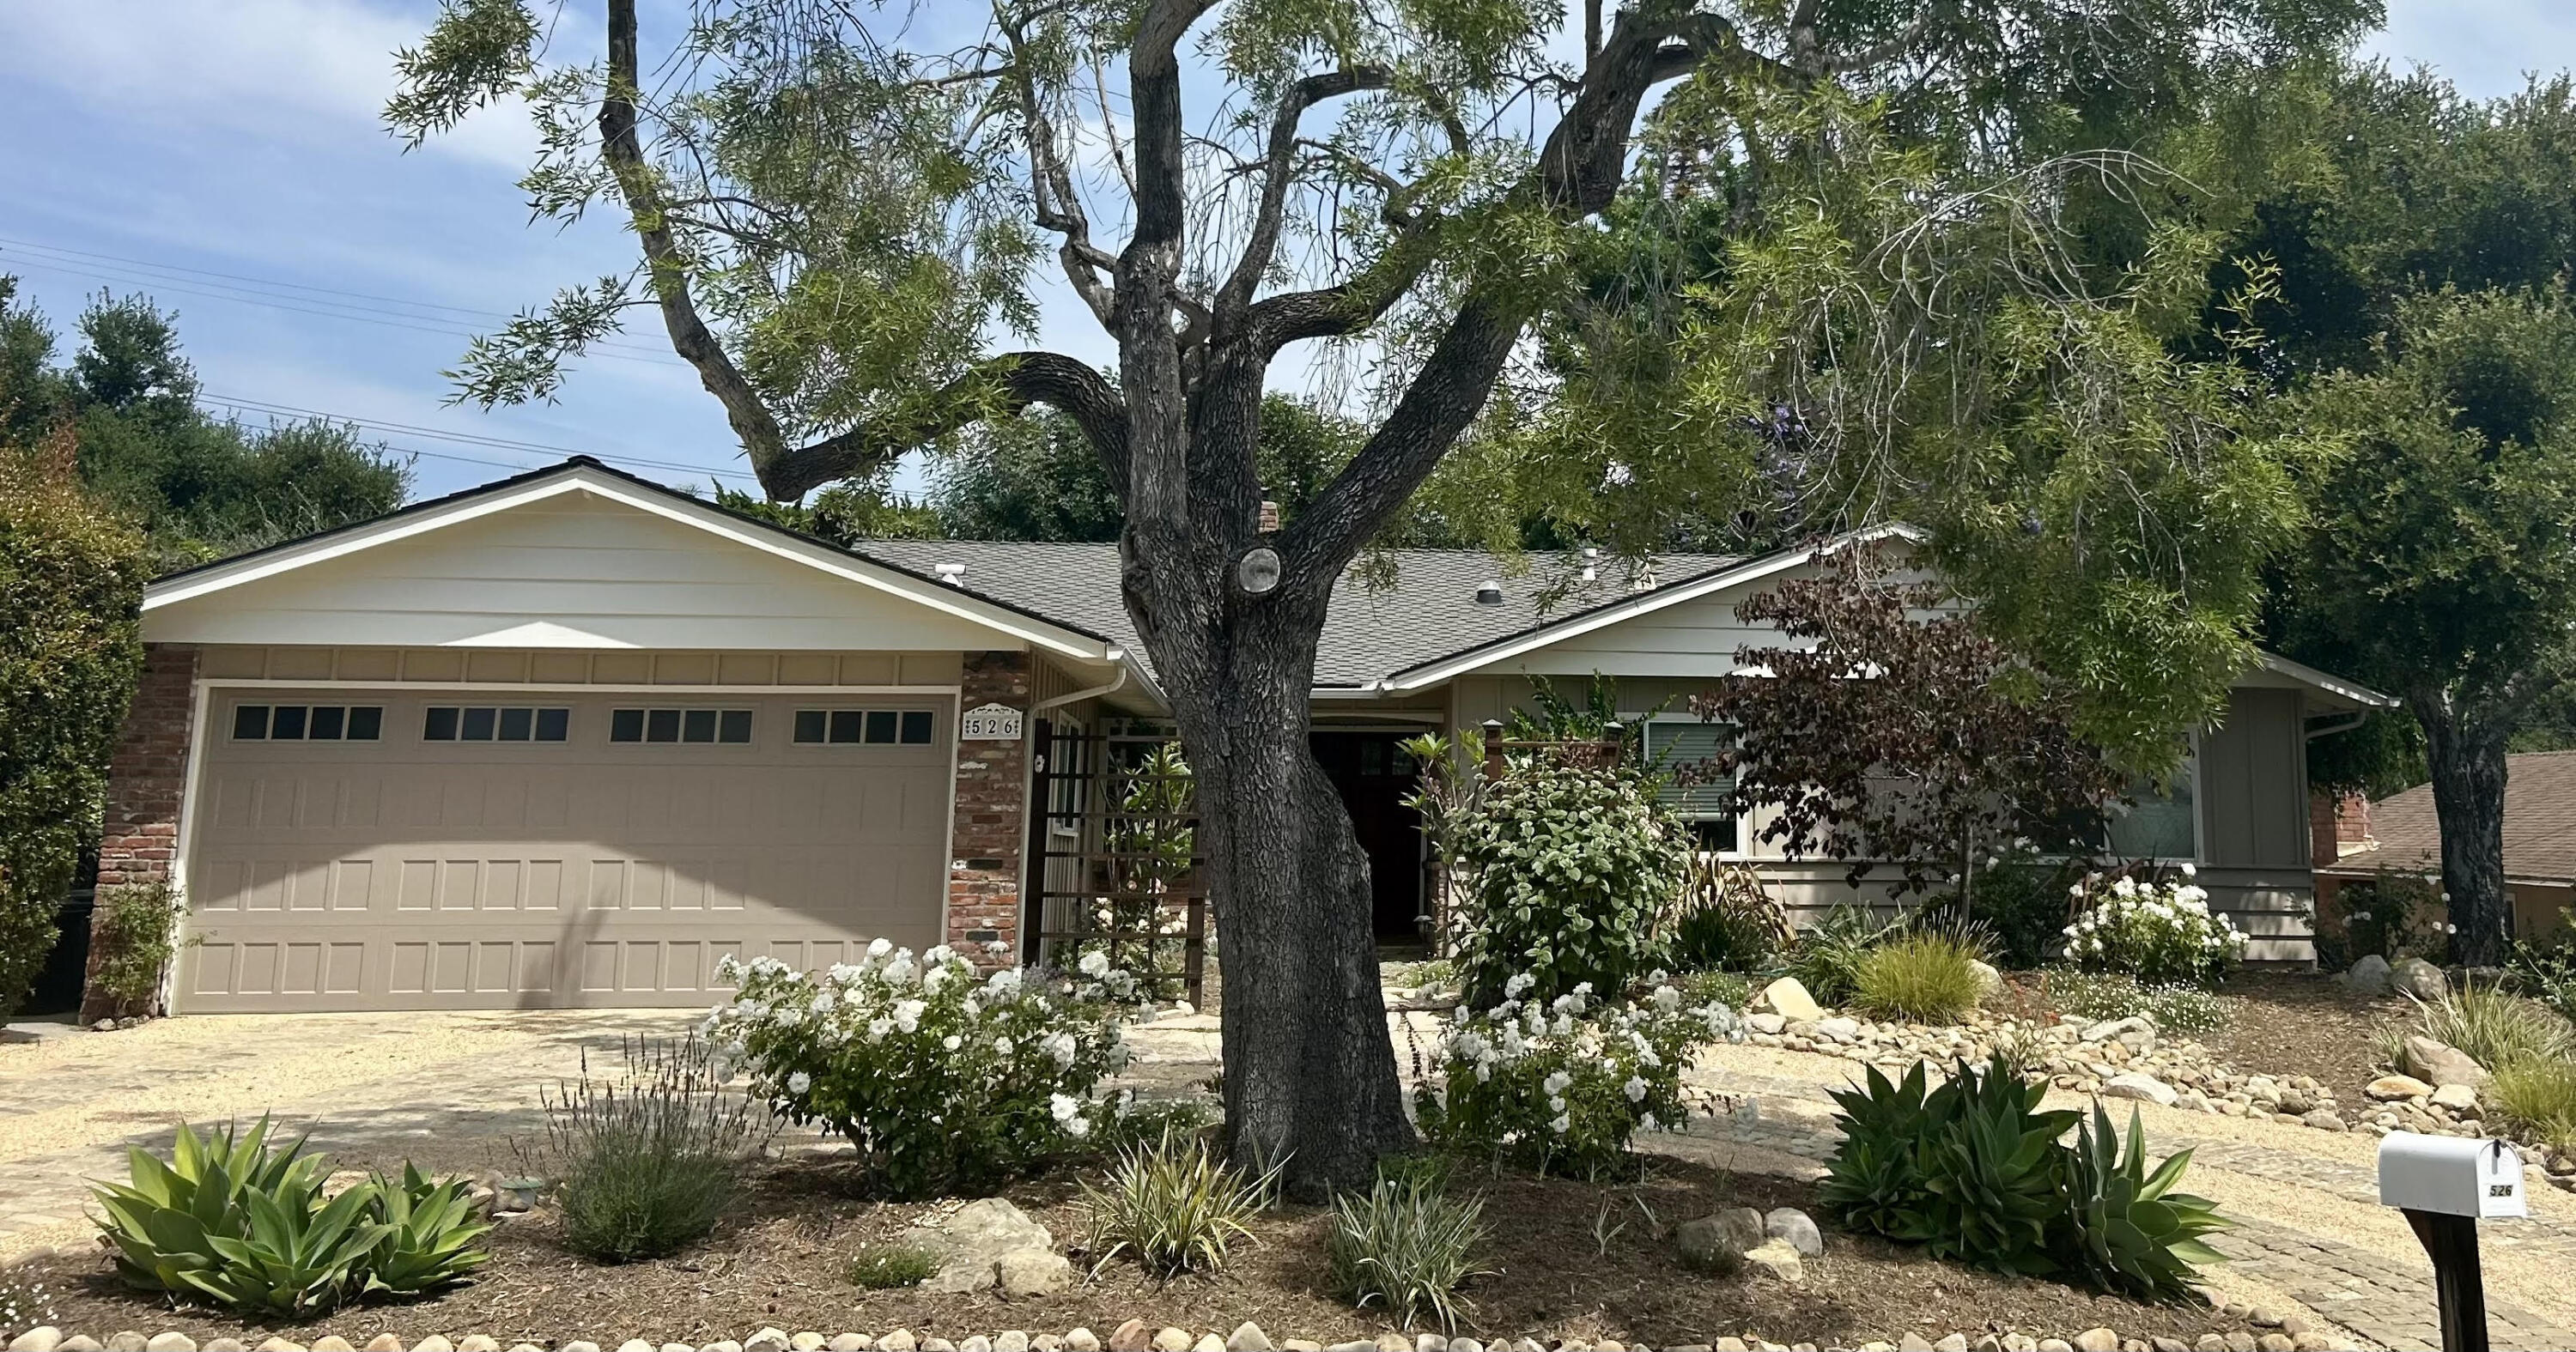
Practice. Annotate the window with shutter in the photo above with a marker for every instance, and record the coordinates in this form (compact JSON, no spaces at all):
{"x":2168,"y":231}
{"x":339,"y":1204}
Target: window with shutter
{"x":1674,"y":746}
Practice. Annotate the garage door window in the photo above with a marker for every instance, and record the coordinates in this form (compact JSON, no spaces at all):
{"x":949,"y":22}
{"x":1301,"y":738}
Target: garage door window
{"x":680,"y":725}
{"x":307,"y":722}
{"x":494,"y":723}
{"x":873,"y":727}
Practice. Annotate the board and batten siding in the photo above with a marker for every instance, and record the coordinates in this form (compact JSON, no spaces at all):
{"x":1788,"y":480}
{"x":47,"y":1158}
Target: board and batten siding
{"x":572,"y":571}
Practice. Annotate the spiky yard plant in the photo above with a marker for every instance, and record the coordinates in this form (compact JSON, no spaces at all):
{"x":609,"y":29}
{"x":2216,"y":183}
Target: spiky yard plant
{"x":1406,"y":1246}
{"x":2128,"y":1229}
{"x":1174,"y":1206}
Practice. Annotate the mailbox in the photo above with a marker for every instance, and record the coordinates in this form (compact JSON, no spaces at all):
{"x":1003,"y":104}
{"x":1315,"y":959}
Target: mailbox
{"x":2450,"y":1176}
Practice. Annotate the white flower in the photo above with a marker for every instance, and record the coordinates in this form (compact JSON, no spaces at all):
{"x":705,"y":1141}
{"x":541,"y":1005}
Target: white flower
{"x":952,"y":1042}
{"x":879,"y":947}
{"x":938,"y":956}
{"x":1635,"y":1089}
{"x":907,"y":1014}
{"x":1667,"y":998}
{"x":2189,"y":872}
{"x":1563,"y":1123}
{"x":878,"y":1028}
{"x":1647,"y":1121}
{"x":1556,"y":1105}
{"x":1094,"y":964}
{"x":1519,"y":985}
{"x":1078,"y":1128}
{"x":996,"y":947}
{"x":1063,"y":1106}
{"x":1557,"y":1081}
{"x":933,"y":979}
{"x":1004,"y":981}
{"x":1059,"y":1047}
{"x":1002,"y":1045}
{"x":799,"y":1082}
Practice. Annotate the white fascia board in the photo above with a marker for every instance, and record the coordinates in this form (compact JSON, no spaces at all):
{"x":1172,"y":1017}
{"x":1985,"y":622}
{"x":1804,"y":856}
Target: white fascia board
{"x":1644,"y":603}
{"x":2331,"y":684}
{"x":582,"y":479}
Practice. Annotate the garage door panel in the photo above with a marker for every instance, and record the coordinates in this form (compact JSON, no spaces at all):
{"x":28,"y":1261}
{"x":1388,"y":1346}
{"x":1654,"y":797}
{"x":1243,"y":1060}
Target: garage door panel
{"x":408,"y":874}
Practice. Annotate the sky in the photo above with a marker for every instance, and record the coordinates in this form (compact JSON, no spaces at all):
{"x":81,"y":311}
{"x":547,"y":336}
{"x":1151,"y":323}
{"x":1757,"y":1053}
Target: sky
{"x":229,"y":161}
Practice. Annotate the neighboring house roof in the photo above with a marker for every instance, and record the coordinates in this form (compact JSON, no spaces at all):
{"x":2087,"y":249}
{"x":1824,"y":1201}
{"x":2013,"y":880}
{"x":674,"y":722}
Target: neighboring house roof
{"x":1427,"y":611}
{"x":2539,"y":824}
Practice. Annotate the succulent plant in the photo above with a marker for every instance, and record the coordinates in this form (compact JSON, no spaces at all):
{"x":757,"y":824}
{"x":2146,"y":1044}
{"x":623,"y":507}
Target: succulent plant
{"x":2128,"y":1230}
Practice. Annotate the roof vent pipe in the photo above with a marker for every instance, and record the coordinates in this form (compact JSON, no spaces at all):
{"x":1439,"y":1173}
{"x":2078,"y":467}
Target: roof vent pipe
{"x":954,"y":574}
{"x":1591,"y":563}
{"x":1490,"y":594}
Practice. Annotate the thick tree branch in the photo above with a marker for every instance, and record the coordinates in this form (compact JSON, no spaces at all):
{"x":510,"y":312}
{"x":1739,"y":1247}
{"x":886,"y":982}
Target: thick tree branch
{"x":1235,"y":297}
{"x":998,"y":387}
{"x":1149,"y":351}
{"x":668,"y":264}
{"x":1056,"y":204}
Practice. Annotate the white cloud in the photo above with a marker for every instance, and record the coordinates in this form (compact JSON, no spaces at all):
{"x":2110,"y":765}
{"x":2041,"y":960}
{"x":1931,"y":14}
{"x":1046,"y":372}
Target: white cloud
{"x":303,"y":71}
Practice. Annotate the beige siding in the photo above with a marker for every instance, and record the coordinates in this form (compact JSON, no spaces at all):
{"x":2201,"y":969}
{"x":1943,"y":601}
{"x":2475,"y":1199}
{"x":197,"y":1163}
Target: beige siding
{"x":570,"y":572}
{"x":392,"y":665}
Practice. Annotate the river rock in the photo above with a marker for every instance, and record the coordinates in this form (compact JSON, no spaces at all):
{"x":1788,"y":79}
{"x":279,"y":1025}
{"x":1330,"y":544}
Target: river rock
{"x":2418,"y":979}
{"x":1788,"y":999}
{"x":1990,"y":983}
{"x":2438,"y":1063}
{"x":1796,"y":1227}
{"x":2138,"y":1085}
{"x":2369,"y":976}
{"x":973,"y":1242}
{"x":1776,"y":1260}
{"x":2397,"y":1089}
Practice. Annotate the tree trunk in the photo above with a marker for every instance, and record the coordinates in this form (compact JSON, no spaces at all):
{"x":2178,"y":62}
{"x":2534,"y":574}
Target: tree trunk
{"x":1310,"y":1074}
{"x":2467,"y":757}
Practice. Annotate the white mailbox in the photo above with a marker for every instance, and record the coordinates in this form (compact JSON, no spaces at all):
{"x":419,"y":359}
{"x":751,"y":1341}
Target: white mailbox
{"x":2450,"y":1176}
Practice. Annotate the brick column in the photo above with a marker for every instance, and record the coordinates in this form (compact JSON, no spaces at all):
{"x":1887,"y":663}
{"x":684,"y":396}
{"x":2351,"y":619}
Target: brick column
{"x":990,"y":829}
{"x":146,"y":779}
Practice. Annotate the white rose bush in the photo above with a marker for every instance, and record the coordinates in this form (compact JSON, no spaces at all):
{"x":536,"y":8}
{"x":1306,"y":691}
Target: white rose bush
{"x":944,"y":1077}
{"x":1564,"y":1085}
{"x":2162,"y":933}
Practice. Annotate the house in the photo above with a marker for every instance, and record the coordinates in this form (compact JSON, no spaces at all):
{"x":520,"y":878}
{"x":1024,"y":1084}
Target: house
{"x":2400,"y":833}
{"x":569,"y":738}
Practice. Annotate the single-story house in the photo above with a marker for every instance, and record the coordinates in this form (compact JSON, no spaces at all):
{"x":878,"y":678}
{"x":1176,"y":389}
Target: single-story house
{"x":568,"y":738}
{"x":2400,"y":833}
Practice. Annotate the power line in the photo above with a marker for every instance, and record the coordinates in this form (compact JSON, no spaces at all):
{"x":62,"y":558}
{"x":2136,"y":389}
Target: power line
{"x":265,"y":407}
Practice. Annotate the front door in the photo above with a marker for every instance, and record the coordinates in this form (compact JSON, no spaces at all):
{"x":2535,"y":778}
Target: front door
{"x":1373,"y":775}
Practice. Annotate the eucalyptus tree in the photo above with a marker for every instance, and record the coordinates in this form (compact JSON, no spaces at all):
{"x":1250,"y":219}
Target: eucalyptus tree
{"x":849,"y":214}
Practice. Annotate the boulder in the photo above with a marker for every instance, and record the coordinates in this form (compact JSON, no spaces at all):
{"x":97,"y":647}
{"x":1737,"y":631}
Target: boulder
{"x":1990,"y":983}
{"x":2138,"y":1085}
{"x":1776,"y":1260}
{"x":2438,"y":1063}
{"x":1788,"y":999}
{"x":2396,"y":1089}
{"x":1021,"y":1273}
{"x":2368,"y":976}
{"x":2110,"y":1029}
{"x":2418,"y":979}
{"x":2460,"y":1099}
{"x":1795,"y":1226}
{"x":1765,"y":1022}
{"x":1708,"y":1245}
{"x":2323,"y":1119}
{"x":972,"y":1242}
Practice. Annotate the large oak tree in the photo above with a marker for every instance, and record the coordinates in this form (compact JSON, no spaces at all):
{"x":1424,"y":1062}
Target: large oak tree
{"x":1644,"y":259}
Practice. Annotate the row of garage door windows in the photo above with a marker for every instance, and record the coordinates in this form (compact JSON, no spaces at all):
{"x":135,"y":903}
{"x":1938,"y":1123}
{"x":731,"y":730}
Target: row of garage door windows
{"x":506,"y":723}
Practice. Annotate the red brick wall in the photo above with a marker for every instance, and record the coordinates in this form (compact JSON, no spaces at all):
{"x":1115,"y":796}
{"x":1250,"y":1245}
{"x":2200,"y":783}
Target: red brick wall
{"x":146,"y":779}
{"x":991,"y":828}
{"x":2335,"y":820}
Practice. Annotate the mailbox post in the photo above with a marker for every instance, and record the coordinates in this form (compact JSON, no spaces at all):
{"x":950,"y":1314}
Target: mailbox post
{"x":2446,"y":1185}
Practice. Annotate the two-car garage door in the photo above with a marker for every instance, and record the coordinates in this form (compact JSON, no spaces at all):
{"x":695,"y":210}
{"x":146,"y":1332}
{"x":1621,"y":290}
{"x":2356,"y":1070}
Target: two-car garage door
{"x":394,"y":849}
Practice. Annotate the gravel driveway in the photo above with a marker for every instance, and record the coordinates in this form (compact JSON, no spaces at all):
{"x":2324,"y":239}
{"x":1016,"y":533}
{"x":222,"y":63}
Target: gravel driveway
{"x":443,"y":1089}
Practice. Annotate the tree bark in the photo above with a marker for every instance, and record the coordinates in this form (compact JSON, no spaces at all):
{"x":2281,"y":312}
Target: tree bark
{"x":2467,"y":756}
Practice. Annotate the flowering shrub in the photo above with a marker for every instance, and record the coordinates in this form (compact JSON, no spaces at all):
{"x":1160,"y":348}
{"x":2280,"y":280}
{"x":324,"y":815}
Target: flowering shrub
{"x":2394,"y":915}
{"x":941,"y":1076}
{"x":1564,"y":1085}
{"x":2159,"y":933}
{"x":1571,"y":867}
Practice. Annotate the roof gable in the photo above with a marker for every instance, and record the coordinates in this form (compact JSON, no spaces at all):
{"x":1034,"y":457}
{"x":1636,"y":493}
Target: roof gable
{"x":581,"y":556}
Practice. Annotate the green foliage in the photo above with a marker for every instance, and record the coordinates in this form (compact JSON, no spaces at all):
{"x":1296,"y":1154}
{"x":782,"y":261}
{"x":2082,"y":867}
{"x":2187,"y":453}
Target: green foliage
{"x":2392,"y":913}
{"x":240,"y":1222}
{"x":1926,"y":977}
{"x":2131,"y":1231}
{"x":1726,"y":921}
{"x":1973,"y":1171}
{"x":2022,"y":902}
{"x":1731,"y":990}
{"x":2162,"y":932}
{"x":1406,"y":1246}
{"x":1564,"y":1086}
{"x":884,"y":1267}
{"x":134,"y":942}
{"x":2496,"y":1027}
{"x":645,"y":1164}
{"x":2538,"y":1095}
{"x":1571,"y":866}
{"x":1174,"y":1206}
{"x":942,"y":1078}
{"x":2182,"y":1010}
{"x":2546,"y":970}
{"x":71,"y":585}
{"x":1828,"y":955}
{"x":844,"y":514}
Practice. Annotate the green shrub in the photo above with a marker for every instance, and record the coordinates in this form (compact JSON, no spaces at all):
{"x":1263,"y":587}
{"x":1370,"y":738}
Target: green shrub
{"x":2162,"y":933}
{"x":2538,"y":1095}
{"x":1826,"y":958}
{"x":136,"y":936}
{"x":71,"y":583}
{"x":2128,"y":1229}
{"x":2176,"y":1011}
{"x":2392,"y":914}
{"x":2496,"y":1027}
{"x":1571,"y":866}
{"x":1731,"y":989}
{"x":2546,"y":971}
{"x":1973,"y":1171}
{"x":2022,"y":902}
{"x":883,"y":1267}
{"x":1725,"y":921}
{"x":238,"y":1221}
{"x":644,"y":1165}
{"x":1564,"y":1086}
{"x":944,"y":1078}
{"x":25,"y":1303}
{"x":1406,"y":1246}
{"x":1174,"y":1206}
{"x":1926,"y":977}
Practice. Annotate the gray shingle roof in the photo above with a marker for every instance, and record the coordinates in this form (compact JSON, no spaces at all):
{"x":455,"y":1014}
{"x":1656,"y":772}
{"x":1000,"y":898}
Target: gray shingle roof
{"x":1429,"y":613}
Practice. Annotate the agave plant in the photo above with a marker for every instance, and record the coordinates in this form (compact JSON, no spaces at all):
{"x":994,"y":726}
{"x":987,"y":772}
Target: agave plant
{"x":163,"y":1220}
{"x":1874,"y":1181}
{"x":2130,"y":1231}
{"x":1993,"y":1169}
{"x":431,"y":1234}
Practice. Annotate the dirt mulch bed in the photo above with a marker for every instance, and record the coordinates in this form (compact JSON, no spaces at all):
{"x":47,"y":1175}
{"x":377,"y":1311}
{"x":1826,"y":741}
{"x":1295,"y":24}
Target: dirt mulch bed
{"x":1571,"y":1260}
{"x":2305,"y":1023}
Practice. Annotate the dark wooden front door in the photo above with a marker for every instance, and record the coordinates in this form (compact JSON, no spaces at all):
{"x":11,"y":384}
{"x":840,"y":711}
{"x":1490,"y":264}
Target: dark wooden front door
{"x":1373,"y":774}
